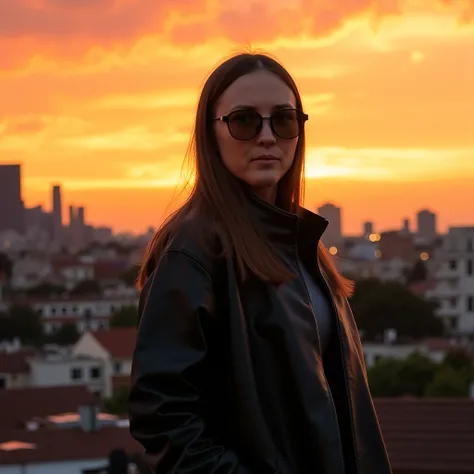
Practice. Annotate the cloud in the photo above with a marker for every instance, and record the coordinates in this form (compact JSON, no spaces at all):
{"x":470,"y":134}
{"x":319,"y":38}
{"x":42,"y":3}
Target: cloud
{"x":133,"y":139}
{"x":391,"y":164}
{"x":70,"y":29}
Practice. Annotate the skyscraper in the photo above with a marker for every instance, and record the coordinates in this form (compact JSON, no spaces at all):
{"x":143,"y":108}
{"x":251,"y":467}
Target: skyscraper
{"x":57,"y":215}
{"x":368,"y":228}
{"x":426,"y":225}
{"x":333,"y":234}
{"x":11,"y":206}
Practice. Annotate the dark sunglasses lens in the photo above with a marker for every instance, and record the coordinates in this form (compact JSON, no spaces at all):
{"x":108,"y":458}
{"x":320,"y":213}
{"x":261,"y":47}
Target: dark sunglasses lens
{"x":288,"y":123}
{"x":244,"y":124}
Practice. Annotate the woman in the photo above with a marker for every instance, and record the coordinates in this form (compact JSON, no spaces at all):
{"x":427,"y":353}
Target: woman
{"x":248,"y":359}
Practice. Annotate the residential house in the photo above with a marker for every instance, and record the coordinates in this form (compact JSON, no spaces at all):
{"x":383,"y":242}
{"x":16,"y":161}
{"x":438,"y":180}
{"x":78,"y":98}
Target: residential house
{"x":115,"y":348}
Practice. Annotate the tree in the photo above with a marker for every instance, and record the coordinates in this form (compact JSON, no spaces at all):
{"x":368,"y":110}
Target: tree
{"x":125,"y":317}
{"x":46,"y":289}
{"x":66,"y":335}
{"x":117,"y":404}
{"x":378,"y":306}
{"x":26,"y":324}
{"x":8,"y":329}
{"x":417,"y":273}
{"x":6,"y":267}
{"x":416,"y":373}
{"x":458,"y":359}
{"x":129,"y":276}
{"x":86,"y":287}
{"x":384,"y":377}
{"x":448,"y":383}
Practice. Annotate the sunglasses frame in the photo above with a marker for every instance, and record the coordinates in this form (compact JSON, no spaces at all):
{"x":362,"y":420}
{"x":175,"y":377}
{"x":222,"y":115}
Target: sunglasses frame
{"x":225,"y":118}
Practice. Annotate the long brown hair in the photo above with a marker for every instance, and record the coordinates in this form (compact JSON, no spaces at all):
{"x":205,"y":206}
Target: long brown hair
{"x":219,"y":194}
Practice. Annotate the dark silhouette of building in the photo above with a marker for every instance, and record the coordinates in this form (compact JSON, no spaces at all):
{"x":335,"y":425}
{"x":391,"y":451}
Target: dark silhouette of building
{"x":426,"y":227}
{"x":11,"y":206}
{"x":57,"y":215}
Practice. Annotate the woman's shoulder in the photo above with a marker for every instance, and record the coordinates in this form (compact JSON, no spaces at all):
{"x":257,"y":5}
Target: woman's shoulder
{"x":199,"y":236}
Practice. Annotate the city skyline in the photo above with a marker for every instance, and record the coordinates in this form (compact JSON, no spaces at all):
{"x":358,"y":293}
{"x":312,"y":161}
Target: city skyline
{"x":106,"y":107}
{"x":425,"y":217}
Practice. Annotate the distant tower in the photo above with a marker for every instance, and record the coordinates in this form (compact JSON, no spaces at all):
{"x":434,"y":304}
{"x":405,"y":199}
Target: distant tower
{"x":406,"y":226}
{"x":368,"y":228}
{"x":426,"y":225}
{"x":12,"y":211}
{"x":57,"y":215}
{"x":80,"y":216}
{"x":333,"y":234}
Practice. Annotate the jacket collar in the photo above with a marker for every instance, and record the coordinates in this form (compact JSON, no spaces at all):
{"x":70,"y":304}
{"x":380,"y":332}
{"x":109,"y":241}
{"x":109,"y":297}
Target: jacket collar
{"x":287,"y":230}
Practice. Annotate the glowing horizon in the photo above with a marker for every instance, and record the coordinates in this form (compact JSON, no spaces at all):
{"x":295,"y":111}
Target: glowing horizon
{"x":106,"y":105}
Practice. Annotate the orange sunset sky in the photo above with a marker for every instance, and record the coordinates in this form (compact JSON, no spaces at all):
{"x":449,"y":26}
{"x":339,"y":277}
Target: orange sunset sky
{"x":99,"y":95}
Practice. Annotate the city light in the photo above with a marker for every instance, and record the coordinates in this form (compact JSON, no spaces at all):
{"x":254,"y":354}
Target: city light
{"x":374,"y":237}
{"x":424,"y":256}
{"x":333,"y":250}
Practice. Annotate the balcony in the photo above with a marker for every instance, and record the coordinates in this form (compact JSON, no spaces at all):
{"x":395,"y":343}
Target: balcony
{"x":447,"y":274}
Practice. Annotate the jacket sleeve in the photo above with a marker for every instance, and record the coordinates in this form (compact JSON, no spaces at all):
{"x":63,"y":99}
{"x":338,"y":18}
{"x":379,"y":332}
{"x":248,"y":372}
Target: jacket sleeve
{"x":163,"y":403}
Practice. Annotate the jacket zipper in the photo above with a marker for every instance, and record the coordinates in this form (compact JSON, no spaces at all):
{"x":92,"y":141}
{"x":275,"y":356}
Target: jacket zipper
{"x":320,"y":351}
{"x":339,"y":334}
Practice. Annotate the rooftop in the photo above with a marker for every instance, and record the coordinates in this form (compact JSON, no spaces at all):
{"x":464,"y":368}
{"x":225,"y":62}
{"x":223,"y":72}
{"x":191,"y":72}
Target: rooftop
{"x":24,"y":447}
{"x":17,"y":406}
{"x":119,"y":342}
{"x":428,"y":435}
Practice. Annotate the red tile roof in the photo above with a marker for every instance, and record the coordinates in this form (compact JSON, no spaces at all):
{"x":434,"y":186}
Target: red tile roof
{"x":19,"y":405}
{"x":428,"y":435}
{"x":54,"y":445}
{"x":119,"y":342}
{"x":16,"y":362}
{"x":109,"y":269}
{"x":439,"y":344}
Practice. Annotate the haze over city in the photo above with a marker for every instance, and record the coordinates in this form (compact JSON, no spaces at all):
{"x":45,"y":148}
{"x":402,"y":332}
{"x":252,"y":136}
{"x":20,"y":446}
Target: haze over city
{"x":106,"y":107}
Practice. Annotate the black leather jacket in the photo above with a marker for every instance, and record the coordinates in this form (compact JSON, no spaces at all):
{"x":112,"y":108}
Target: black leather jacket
{"x":227,"y":377}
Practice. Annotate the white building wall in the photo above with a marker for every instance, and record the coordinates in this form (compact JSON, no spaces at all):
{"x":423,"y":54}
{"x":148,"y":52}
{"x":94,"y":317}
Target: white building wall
{"x":88,"y":345}
{"x":48,"y":373}
{"x":455,"y":282}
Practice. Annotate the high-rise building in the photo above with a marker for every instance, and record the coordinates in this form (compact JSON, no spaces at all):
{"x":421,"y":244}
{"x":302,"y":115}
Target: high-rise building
{"x":454,"y":290}
{"x":426,"y":225}
{"x":57,"y":215}
{"x":406,"y":226}
{"x":368,"y":228}
{"x":11,"y":205}
{"x":80,"y":216}
{"x":333,"y":235}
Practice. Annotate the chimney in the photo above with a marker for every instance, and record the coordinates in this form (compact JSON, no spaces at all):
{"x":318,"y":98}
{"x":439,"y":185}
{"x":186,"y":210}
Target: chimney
{"x":88,"y":418}
{"x":390,"y":336}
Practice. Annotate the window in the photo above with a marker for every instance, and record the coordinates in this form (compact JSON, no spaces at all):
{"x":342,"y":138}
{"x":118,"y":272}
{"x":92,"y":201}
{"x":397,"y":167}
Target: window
{"x":76,"y":373}
{"x":117,"y":367}
{"x":95,"y":372}
{"x":453,"y":301}
{"x":469,"y":267}
{"x":452,"y":264}
{"x":470,"y":245}
{"x":3,"y":382}
{"x":470,"y":304}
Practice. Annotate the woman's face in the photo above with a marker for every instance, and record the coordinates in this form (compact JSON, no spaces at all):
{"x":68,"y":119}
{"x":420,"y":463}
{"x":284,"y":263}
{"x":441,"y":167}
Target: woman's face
{"x":263,"y":160}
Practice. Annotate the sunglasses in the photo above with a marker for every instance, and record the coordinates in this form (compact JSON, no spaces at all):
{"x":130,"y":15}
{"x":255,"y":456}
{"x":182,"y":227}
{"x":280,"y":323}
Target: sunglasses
{"x":247,"y":124}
